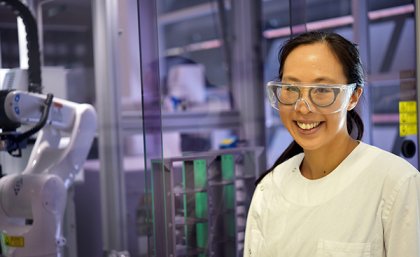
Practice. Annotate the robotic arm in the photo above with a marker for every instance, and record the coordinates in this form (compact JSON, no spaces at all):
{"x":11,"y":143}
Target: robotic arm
{"x":32,"y":203}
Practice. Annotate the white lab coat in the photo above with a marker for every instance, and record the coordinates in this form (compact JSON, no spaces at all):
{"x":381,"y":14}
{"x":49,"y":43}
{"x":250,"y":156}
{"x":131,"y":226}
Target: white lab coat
{"x":369,"y":206}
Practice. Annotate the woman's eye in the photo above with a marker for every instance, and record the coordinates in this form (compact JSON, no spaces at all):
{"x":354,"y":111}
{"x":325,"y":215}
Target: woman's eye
{"x":322,"y":90}
{"x":292,"y":89}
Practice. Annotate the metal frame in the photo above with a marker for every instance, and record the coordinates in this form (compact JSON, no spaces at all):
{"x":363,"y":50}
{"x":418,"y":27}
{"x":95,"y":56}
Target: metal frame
{"x":361,"y":37}
{"x":247,"y":70}
{"x":183,"y":121}
{"x":417,"y":20}
{"x":151,"y":105}
{"x":113,"y":203}
{"x":393,"y":44}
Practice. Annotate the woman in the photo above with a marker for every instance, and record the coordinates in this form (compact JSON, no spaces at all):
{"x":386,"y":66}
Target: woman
{"x":329,"y":194}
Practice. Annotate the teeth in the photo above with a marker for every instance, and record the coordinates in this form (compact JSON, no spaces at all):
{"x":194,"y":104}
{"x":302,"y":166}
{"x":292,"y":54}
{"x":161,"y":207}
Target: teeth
{"x":307,"y":125}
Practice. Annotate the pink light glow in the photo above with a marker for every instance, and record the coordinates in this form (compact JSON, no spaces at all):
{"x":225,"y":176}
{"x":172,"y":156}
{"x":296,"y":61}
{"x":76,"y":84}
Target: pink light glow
{"x":311,"y":26}
{"x":342,"y":21}
{"x":389,"y":12}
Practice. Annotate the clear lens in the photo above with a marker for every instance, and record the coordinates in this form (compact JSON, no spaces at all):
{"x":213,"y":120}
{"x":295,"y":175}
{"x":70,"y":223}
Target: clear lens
{"x":322,"y":96}
{"x":287,"y":94}
{"x":319,"y":98}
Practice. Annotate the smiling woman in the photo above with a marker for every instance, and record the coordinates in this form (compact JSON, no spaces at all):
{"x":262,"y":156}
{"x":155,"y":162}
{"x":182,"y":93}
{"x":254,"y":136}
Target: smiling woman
{"x":313,"y":201}
{"x":316,"y":63}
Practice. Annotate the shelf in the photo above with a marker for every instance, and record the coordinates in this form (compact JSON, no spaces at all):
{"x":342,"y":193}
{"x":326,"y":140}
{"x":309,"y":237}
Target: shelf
{"x":191,"y":121}
{"x":245,"y":177}
{"x":214,"y":183}
{"x":221,"y":183}
{"x":181,"y":221}
{"x":181,"y":191}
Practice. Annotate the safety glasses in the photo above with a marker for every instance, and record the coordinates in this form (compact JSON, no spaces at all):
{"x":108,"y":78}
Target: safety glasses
{"x":319,"y":98}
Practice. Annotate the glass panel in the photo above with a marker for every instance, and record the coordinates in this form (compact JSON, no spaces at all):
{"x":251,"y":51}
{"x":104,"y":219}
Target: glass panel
{"x":166,"y":6}
{"x":199,"y":193}
{"x":327,"y":9}
{"x":384,"y":4}
{"x":66,"y":43}
{"x":392,"y":78}
{"x":276,"y":14}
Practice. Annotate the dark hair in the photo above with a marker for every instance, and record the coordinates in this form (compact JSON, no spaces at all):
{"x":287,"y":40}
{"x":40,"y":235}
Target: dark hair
{"x":348,"y":55}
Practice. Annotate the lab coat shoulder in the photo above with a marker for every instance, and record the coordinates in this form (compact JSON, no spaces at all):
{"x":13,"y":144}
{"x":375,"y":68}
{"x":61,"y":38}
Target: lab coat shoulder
{"x":401,"y":217}
{"x":261,"y":200}
{"x":267,"y":189}
{"x":254,"y":232}
{"x":401,"y":203}
{"x":269,"y":185}
{"x":392,"y":171}
{"x":394,"y":166}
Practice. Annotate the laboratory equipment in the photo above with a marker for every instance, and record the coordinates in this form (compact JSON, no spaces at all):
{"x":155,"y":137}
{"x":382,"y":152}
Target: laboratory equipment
{"x":32,"y":202}
{"x":199,"y":203}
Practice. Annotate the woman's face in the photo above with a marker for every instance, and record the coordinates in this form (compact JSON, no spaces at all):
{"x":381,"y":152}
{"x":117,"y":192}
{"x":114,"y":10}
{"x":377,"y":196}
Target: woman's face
{"x":314,"y":63}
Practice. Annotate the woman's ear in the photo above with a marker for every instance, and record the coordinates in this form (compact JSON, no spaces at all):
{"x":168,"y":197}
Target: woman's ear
{"x":354,"y":99}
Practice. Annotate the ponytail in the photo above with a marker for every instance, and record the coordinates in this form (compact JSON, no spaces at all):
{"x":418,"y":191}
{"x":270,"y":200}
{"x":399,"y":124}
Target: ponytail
{"x":354,"y":118}
{"x":294,"y":148}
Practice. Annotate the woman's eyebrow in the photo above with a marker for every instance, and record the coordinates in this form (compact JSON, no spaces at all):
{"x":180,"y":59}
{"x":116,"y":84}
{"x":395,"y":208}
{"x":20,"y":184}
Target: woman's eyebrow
{"x":317,"y":80}
{"x":291,"y":79}
{"x":325,"y":80}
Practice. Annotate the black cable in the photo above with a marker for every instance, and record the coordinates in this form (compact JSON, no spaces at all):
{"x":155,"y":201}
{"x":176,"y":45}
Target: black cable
{"x":297,"y":8}
{"x":34,"y":61}
{"x":41,"y":123}
{"x":15,"y":141}
{"x":290,"y":19}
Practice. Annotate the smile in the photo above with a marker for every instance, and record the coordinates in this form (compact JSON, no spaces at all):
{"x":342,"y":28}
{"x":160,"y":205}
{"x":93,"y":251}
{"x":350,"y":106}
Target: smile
{"x":307,"y":126}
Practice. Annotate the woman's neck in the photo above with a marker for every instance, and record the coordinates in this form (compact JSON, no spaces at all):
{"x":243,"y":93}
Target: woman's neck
{"x":321,"y":162}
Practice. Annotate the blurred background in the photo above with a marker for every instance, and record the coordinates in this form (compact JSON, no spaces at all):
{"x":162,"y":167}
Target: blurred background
{"x":184,"y":124}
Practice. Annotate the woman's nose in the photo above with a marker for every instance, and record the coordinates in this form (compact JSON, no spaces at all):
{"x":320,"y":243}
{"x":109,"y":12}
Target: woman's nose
{"x":302,"y":106}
